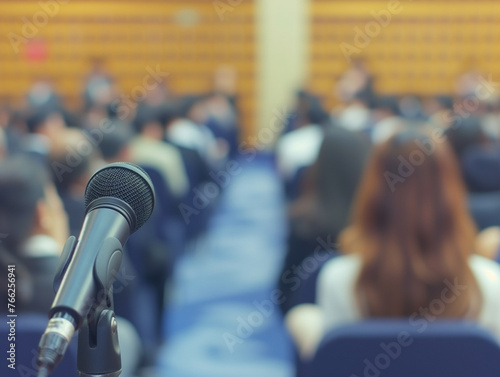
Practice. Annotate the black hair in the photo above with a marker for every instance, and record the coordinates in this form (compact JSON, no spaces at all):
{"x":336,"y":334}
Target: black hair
{"x":332,"y":182}
{"x":316,"y":113}
{"x":390,"y":103}
{"x":147,"y":114}
{"x":188,"y":102}
{"x":22,"y":185}
{"x":465,"y":132}
{"x":445,"y":101}
{"x":38,"y":116}
{"x":114,"y":142}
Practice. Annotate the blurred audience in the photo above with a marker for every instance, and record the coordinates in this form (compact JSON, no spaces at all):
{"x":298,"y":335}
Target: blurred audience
{"x":408,"y":224}
{"x":476,"y":153}
{"x":410,"y":243}
{"x":35,"y":226}
{"x":386,"y":119}
{"x":354,"y":91}
{"x":322,"y":209}
{"x":299,"y":148}
{"x":71,"y":171}
{"x":148,"y":149}
{"x":189,"y":130}
{"x":42,"y":94}
{"x":99,"y":89}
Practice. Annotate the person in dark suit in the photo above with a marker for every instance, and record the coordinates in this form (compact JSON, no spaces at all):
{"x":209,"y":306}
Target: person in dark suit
{"x":35,"y":227}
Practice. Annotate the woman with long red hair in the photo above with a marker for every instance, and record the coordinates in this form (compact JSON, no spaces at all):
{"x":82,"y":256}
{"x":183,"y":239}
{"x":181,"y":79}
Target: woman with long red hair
{"x":409,"y":247}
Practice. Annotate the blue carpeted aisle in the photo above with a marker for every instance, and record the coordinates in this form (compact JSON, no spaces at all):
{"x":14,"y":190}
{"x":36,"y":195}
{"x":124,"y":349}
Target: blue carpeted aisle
{"x":222,"y":321}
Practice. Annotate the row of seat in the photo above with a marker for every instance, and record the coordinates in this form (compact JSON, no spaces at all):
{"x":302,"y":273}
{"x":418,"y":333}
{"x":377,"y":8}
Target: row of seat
{"x":389,"y":348}
{"x":398,"y":348}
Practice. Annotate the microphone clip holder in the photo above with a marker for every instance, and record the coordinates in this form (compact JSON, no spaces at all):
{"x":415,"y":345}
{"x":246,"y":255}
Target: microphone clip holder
{"x":98,"y":347}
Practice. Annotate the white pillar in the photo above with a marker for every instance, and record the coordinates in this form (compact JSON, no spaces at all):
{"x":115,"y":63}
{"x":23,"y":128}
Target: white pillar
{"x":282,"y":57}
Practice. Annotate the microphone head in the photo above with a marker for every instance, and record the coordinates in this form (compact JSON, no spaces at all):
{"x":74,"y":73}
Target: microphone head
{"x":127,"y":182}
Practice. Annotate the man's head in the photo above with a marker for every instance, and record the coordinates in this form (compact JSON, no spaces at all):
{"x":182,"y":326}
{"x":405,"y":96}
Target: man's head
{"x":29,"y":203}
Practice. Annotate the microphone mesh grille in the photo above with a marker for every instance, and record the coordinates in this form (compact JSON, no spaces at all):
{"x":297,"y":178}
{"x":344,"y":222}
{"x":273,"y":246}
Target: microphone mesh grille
{"x":130,"y":184}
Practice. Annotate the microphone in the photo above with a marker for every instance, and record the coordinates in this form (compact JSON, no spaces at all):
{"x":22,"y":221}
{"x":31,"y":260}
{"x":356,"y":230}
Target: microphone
{"x":119,"y":199}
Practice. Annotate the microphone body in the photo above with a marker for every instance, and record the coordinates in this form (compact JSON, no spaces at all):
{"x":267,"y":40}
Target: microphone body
{"x":78,"y":287}
{"x":88,"y":267}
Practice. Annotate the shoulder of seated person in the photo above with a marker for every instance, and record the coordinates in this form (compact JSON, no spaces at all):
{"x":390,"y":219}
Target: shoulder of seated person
{"x":296,"y":136}
{"x":485,"y":268}
{"x":341,"y":265}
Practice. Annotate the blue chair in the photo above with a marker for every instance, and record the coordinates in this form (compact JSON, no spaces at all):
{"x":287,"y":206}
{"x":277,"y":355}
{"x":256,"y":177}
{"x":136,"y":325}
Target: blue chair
{"x":307,"y":291}
{"x":404,"y":348}
{"x":485,"y":208}
{"x":198,"y":174}
{"x":294,"y":186}
{"x":227,"y":132}
{"x":28,"y":331}
{"x":479,"y":164}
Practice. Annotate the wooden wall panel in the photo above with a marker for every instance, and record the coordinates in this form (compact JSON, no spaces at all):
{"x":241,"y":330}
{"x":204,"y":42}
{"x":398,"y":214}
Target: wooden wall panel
{"x":186,"y":38}
{"x":421,"y":50}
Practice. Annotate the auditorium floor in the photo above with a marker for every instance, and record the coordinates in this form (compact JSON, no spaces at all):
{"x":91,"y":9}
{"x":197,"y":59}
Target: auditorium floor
{"x":221,"y":321}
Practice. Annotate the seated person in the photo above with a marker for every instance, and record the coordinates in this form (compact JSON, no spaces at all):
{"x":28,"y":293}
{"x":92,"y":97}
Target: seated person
{"x":35,"y":226}
{"x":488,"y":243}
{"x":45,"y":125}
{"x":148,"y":149}
{"x":71,"y":170}
{"x":411,"y":241}
{"x":299,"y":148}
{"x":476,"y":154}
{"x":322,"y":209}
{"x":186,"y":127}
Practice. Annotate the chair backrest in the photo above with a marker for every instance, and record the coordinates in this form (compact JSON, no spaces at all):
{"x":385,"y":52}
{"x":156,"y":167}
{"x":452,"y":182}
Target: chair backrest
{"x":485,"y":208}
{"x":307,"y":291}
{"x":28,"y":331}
{"x":406,"y":348}
{"x":478,"y":163}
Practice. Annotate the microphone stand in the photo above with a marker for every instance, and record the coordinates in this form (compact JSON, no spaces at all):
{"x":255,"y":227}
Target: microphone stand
{"x":98,"y":347}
